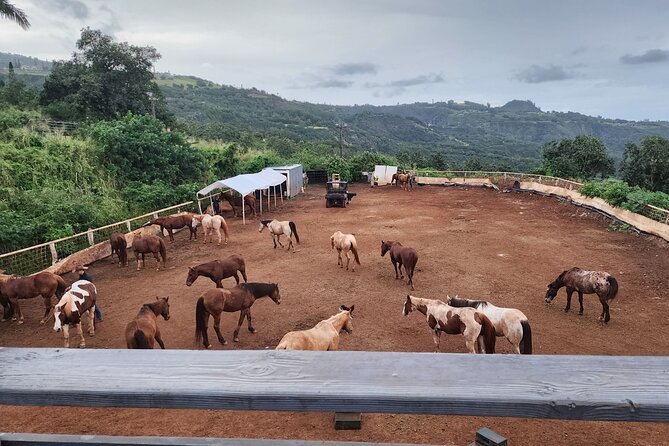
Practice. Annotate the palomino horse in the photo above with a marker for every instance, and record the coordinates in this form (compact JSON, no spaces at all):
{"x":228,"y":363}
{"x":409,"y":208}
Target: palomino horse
{"x":78,"y":300}
{"x":585,"y":282}
{"x":211,"y":223}
{"x":401,"y":255}
{"x":172,"y":222}
{"x":477,"y":329}
{"x":143,"y":332}
{"x":240,"y":298}
{"x":346,"y":243}
{"x":277,"y":228}
{"x":324,"y":336}
{"x":218,"y":270}
{"x":236,"y":202}
{"x":508,"y":322}
{"x":41,"y":284}
{"x":119,"y":247}
{"x":143,"y":244}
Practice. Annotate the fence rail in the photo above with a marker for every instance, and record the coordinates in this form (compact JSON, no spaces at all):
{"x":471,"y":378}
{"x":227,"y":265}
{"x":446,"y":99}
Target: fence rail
{"x":543,"y":179}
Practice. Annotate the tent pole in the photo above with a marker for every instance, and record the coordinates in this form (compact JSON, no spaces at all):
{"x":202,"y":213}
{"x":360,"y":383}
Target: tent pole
{"x":274,"y":197}
{"x":243,"y":211}
{"x":199,"y":205}
{"x":260,"y":201}
{"x":281,"y":192}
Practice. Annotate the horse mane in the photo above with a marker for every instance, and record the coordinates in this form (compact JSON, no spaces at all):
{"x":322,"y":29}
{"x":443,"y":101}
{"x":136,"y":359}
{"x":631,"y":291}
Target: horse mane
{"x":560,"y":278}
{"x":458,"y":303}
{"x":258,"y":289}
{"x":265,"y":222}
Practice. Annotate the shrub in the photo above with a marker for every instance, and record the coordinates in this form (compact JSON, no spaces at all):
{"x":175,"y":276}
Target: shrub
{"x":621,"y":194}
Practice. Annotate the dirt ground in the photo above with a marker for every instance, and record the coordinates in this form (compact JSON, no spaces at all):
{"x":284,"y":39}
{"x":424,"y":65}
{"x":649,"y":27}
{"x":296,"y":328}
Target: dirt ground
{"x":476,"y":243}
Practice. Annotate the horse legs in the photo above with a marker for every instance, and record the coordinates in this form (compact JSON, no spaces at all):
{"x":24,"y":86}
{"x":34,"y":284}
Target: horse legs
{"x":290,"y":244}
{"x":218,"y":231}
{"x":235,"y":334}
{"x":570,"y":291}
{"x":205,"y":330}
{"x":606,"y":316}
{"x":158,"y":339}
{"x":243,"y":271}
{"x":340,"y":262}
{"x":236,"y":276}
{"x":580,"y":302}
{"x":80,"y":332}
{"x":397,"y":276}
{"x":274,"y":240}
{"x":17,"y":315}
{"x":250,"y":324}
{"x":217,"y":328}
{"x":66,"y":335}
{"x":410,"y":275}
{"x":334,"y":344}
{"x":91,"y":321}
{"x":278,"y":239}
{"x":436,"y":336}
{"x":348,"y":260}
{"x":399,"y":267}
{"x":47,"y":310}
{"x":157,"y":257}
{"x":169,"y":231}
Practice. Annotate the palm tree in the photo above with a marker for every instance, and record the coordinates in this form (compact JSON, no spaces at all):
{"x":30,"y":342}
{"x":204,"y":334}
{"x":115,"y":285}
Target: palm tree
{"x":11,"y":12}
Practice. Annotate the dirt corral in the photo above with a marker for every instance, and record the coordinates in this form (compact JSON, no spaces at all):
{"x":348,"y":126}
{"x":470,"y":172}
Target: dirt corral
{"x":476,"y":243}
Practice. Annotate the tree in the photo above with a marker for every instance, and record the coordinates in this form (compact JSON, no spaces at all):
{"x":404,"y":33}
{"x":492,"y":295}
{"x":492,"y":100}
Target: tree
{"x":11,"y":12}
{"x":647,"y":166}
{"x":15,"y":92}
{"x":583,"y":157}
{"x":104,"y":78}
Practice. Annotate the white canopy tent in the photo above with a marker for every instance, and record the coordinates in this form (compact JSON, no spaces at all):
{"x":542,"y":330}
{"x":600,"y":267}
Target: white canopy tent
{"x":246,"y":184}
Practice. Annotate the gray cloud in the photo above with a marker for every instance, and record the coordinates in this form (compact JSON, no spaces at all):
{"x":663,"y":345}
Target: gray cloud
{"x":650,"y":56}
{"x":332,"y":83}
{"x":75,"y":7}
{"x":418,"y":80}
{"x":536,"y":74}
{"x":348,"y":69}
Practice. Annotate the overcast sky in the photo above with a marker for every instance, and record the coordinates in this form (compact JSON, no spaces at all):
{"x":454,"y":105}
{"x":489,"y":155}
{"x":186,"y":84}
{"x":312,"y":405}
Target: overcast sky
{"x":598,"y":57}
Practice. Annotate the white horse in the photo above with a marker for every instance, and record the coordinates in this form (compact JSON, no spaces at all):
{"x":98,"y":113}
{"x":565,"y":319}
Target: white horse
{"x":77,"y":300}
{"x":324,"y":336}
{"x":211,"y":223}
{"x":508,"y":322}
{"x":346,"y":243}
{"x":277,"y":228}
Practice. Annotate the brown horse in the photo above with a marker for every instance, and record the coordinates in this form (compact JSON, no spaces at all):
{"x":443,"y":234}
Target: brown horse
{"x":175,"y":222}
{"x":401,"y":255}
{"x":41,"y":284}
{"x":119,"y":247}
{"x":78,"y":300}
{"x":143,"y":244}
{"x":324,"y":336}
{"x":240,"y":298}
{"x":143,"y":332}
{"x":585,"y":282}
{"x":218,"y":270}
{"x":236,"y":202}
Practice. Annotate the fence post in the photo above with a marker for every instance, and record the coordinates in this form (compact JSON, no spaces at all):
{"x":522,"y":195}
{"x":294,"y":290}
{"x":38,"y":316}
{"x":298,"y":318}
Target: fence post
{"x":91,"y":239}
{"x":54,"y":254}
{"x":127,"y":224}
{"x":155,"y":215}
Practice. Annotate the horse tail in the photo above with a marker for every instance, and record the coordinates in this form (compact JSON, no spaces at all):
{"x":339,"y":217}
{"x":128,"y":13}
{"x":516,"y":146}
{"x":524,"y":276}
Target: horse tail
{"x":526,"y":341}
{"x":163,"y":251}
{"x":141,"y":341}
{"x":613,"y":287}
{"x":488,"y":332}
{"x":354,"y":249}
{"x":242,"y":268}
{"x":224,"y":225}
{"x":60,"y":287}
{"x":200,"y":320}
{"x":293,"y":229}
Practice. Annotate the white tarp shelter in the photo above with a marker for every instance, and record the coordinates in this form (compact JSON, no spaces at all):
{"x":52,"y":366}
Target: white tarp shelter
{"x":384,"y":174}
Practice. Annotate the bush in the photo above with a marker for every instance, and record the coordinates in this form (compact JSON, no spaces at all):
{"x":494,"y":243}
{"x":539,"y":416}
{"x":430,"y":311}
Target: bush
{"x":621,"y":194}
{"x":340,"y":165}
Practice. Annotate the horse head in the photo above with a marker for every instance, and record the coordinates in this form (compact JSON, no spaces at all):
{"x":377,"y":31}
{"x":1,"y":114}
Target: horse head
{"x":551,"y":292}
{"x":408,"y":306}
{"x":263,"y":225}
{"x":348,"y":325}
{"x":192,"y":275}
{"x":164,"y":307}
{"x":385,"y":247}
{"x":195,"y":221}
{"x":275,"y":295}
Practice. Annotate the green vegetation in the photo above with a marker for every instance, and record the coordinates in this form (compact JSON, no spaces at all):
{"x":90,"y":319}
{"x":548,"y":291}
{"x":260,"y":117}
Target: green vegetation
{"x":648,"y":166}
{"x":583,"y":157}
{"x":620,"y":194}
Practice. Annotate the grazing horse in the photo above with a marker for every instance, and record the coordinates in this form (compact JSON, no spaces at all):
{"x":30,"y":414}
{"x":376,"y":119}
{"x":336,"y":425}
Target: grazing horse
{"x":585,"y":282}
{"x":477,"y":329}
{"x":175,"y":222}
{"x":401,"y":255}
{"x":78,"y":300}
{"x":240,"y":298}
{"x":277,"y":228}
{"x":323,"y":336}
{"x":218,"y":270}
{"x":236,"y":202}
{"x":143,"y":244}
{"x":119,"y":247}
{"x":41,"y":284}
{"x":508,"y":322}
{"x":211,"y":223}
{"x":346,"y":243}
{"x":143,"y":332}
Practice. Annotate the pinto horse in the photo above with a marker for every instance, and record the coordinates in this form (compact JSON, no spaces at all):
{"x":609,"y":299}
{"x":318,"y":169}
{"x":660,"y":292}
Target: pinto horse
{"x":143,"y":332}
{"x":211,"y":223}
{"x":173,"y":222}
{"x":143,"y":244}
{"x":346,"y":243}
{"x":278,"y":228}
{"x":41,"y":284}
{"x":508,"y":322}
{"x":401,"y":255}
{"x":78,"y":300}
{"x":477,"y":329}
{"x":585,"y":282}
{"x":324,"y":336}
{"x":240,"y":298}
{"x":119,"y":247}
{"x":218,"y":270}
{"x":236,"y":202}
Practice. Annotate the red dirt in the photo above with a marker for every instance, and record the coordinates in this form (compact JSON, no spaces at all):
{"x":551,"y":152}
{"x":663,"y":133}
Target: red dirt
{"x":476,"y":243}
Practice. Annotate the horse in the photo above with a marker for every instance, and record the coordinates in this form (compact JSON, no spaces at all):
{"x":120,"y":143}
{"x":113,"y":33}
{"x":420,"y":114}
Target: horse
{"x":401,"y":255}
{"x":41,"y":284}
{"x":78,"y":300}
{"x":143,"y":244}
{"x":323,"y":336}
{"x":403,"y":180}
{"x":477,"y":329}
{"x":508,"y":322}
{"x":211,"y":223}
{"x":218,"y":270}
{"x":239,"y":298}
{"x":277,"y":228}
{"x":119,"y":247}
{"x":346,"y":243}
{"x":585,"y":282}
{"x":143,"y":332}
{"x":172,"y":222}
{"x":249,"y":200}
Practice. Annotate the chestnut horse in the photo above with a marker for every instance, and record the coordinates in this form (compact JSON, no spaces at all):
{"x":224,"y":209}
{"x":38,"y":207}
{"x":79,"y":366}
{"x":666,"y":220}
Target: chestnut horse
{"x":211,"y":223}
{"x":218,"y":270}
{"x":236,"y":202}
{"x":172,"y":222}
{"x":143,"y":244}
{"x":324,"y":336}
{"x":143,"y":332}
{"x":78,"y":300}
{"x":119,"y":247}
{"x":477,"y":329}
{"x":41,"y":284}
{"x":346,"y":243}
{"x":585,"y":282}
{"x":399,"y":256}
{"x":240,"y":298}
{"x":508,"y":322}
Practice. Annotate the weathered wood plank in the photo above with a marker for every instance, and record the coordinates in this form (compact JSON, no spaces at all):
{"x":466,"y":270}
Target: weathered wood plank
{"x":564,"y":387}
